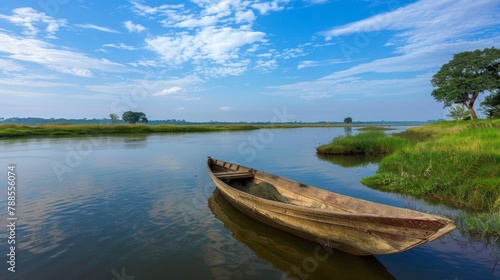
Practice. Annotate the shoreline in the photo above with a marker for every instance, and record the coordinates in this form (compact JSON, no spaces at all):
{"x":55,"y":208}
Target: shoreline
{"x":14,"y":131}
{"x":455,"y":163}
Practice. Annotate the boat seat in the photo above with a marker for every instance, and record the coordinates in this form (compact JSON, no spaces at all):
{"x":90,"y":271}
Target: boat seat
{"x":233,"y":175}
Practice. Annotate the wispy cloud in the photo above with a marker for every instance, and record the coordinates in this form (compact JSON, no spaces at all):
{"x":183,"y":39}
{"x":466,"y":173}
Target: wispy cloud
{"x":169,"y":91}
{"x":266,"y":7}
{"x":132,"y":27}
{"x":225,"y":108}
{"x":75,"y":71}
{"x":145,"y":10}
{"x":426,"y":34}
{"x":100,"y":28}
{"x":430,"y":32}
{"x":10,"y":65}
{"x":32,"y":21}
{"x":354,"y":88}
{"x":120,"y":46}
{"x":40,"y":81}
{"x":319,"y":63}
{"x":426,"y":22}
{"x":152,"y":86}
{"x":61,"y":60}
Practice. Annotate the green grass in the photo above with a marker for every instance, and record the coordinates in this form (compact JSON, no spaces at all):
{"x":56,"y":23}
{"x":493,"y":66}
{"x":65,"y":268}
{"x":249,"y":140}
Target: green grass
{"x":365,"y":143}
{"x":455,"y":163}
{"x":12,"y":130}
{"x":375,"y":128}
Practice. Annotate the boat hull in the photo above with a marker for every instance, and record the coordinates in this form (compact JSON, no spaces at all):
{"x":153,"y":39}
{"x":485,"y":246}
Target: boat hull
{"x":348,"y":224}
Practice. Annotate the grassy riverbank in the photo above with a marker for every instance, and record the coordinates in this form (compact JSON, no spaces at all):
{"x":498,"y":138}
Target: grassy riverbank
{"x":454,"y":163}
{"x":14,"y":130}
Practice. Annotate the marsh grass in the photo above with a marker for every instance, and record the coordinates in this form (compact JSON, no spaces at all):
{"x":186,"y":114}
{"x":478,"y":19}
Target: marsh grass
{"x":365,"y":143}
{"x":455,"y":163}
{"x":479,"y":225}
{"x":375,"y":128}
{"x":13,"y":130}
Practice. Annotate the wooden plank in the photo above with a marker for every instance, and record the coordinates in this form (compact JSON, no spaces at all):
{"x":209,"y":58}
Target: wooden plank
{"x":233,"y":175}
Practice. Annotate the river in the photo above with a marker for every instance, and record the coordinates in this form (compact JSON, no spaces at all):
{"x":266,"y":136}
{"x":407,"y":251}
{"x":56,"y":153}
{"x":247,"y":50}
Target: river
{"x":144,"y":207}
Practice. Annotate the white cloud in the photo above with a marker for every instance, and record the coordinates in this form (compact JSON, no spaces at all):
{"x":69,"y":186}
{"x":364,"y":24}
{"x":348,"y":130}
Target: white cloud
{"x":32,"y":20}
{"x":225,"y":108}
{"x":211,"y":43}
{"x":42,"y":81}
{"x":144,"y":10}
{"x":426,"y":22}
{"x":228,"y":69}
{"x":169,"y":91}
{"x":191,"y":21}
{"x":320,"y":63}
{"x":10,"y":65}
{"x":100,"y":28}
{"x":266,"y":65}
{"x":349,"y":81}
{"x":427,"y":34}
{"x":152,"y":86}
{"x":355,"y":87}
{"x":131,"y":27}
{"x":211,"y":13}
{"x":80,"y":72}
{"x":120,"y":46}
{"x":315,"y":2}
{"x":430,"y":58}
{"x":293,"y":53}
{"x":247,"y":16}
{"x":266,"y":7}
{"x":36,"y":51}
{"x":25,"y":93}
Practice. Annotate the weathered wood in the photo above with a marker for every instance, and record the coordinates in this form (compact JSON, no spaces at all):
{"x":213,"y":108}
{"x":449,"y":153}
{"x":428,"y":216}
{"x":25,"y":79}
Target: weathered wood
{"x":233,"y":175}
{"x":349,"y":224}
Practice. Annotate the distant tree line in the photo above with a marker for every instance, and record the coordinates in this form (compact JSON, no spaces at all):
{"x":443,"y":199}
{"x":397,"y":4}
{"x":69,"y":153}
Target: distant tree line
{"x":35,"y":121}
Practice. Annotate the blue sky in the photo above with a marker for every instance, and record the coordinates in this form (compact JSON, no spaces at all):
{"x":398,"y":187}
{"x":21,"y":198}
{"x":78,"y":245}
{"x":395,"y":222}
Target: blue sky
{"x":234,"y":60}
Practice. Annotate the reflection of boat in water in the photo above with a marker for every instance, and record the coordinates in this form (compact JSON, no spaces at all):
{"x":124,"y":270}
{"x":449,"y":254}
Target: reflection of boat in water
{"x":298,"y":258}
{"x":352,"y":225}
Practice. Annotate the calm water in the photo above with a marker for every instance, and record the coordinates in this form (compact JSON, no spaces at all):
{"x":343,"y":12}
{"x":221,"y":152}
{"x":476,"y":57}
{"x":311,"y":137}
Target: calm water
{"x":145,"y":208}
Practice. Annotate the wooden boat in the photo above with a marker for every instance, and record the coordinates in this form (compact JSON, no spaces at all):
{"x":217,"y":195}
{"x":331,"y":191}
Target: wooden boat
{"x":337,"y":221}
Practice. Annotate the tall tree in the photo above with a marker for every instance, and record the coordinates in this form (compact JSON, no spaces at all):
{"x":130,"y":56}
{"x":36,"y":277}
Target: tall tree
{"x":348,"y":120}
{"x":462,"y":79}
{"x":113,"y":117}
{"x":134,"y":117}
